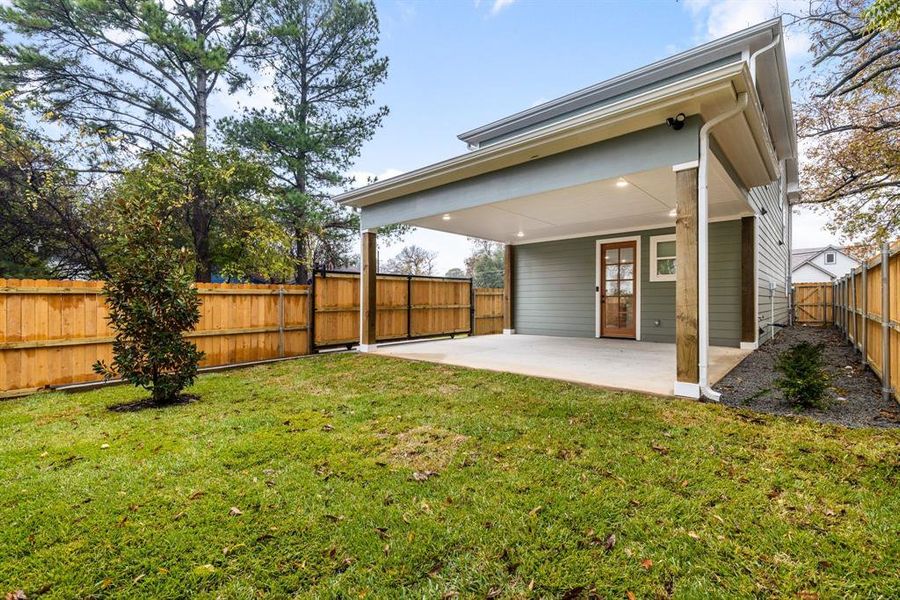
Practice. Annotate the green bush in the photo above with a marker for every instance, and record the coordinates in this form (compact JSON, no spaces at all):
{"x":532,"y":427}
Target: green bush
{"x":803,"y":379}
{"x":149,"y":290}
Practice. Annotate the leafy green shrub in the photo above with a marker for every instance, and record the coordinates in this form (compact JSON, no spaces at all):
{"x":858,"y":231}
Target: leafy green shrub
{"x":803,"y":379}
{"x":149,"y":290}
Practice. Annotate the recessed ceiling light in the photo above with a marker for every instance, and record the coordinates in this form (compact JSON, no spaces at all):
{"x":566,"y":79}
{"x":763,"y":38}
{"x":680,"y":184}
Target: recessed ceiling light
{"x":520,"y":234}
{"x":673,"y":213}
{"x":446,"y":217}
{"x":621,"y":182}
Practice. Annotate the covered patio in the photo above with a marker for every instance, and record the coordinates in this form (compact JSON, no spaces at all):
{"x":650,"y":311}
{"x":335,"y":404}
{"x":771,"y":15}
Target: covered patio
{"x":609,"y":363}
{"x":645,"y":222}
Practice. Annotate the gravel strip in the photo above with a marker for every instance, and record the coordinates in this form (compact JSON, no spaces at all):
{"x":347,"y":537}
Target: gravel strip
{"x":855,"y":391}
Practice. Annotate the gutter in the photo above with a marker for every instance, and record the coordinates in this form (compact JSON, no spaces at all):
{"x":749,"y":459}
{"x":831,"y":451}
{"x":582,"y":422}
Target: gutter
{"x":703,"y":242}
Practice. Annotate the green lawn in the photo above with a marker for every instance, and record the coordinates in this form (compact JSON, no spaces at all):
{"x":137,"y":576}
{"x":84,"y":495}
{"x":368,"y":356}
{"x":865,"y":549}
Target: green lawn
{"x":330,"y":461}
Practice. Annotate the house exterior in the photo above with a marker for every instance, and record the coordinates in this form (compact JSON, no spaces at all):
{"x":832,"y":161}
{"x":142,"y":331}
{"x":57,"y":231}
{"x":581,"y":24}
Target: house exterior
{"x":653,"y":206}
{"x":812,"y":265}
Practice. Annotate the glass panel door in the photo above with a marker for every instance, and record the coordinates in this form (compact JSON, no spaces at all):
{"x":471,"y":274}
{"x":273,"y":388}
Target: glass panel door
{"x":617,"y":290}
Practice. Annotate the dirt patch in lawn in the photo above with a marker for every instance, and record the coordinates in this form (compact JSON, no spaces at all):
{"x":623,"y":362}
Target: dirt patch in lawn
{"x":424,"y":448}
{"x":855,"y":391}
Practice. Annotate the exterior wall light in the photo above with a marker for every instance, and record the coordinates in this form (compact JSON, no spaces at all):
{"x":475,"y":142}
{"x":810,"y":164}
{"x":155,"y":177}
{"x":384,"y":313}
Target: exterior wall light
{"x":676,"y":122}
{"x":446,"y":217}
{"x":621,"y":182}
{"x":520,"y":234}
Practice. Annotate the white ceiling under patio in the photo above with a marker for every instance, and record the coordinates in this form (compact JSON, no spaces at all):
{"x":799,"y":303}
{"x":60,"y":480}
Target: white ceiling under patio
{"x":633,"y":201}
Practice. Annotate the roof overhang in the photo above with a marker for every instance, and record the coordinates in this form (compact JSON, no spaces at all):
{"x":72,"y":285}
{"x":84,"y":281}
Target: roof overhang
{"x":744,"y":140}
{"x":737,"y":45}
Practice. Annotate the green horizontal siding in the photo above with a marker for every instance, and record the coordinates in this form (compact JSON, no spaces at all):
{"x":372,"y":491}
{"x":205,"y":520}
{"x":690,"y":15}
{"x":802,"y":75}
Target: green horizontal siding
{"x":554,"y":287}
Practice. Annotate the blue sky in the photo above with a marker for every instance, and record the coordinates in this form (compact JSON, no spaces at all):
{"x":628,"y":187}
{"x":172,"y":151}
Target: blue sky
{"x":456,"y":65}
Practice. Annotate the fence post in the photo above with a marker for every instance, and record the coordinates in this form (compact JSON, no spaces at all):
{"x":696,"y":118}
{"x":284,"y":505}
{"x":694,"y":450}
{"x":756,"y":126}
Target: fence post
{"x":408,"y":306}
{"x":853,"y":308}
{"x":845,"y":298}
{"x":311,"y":313}
{"x":885,"y":322}
{"x":281,"y":321}
{"x":471,"y":306}
{"x":865,"y":314}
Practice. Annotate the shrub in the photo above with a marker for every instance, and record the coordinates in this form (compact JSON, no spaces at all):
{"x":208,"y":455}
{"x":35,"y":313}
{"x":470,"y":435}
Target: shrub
{"x":803,"y":379}
{"x":149,"y":290}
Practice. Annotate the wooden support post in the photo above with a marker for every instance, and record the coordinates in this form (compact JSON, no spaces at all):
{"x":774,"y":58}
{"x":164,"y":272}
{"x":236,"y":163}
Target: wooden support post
{"x":367,"y":294}
{"x":687,"y":305}
{"x":748,"y":283}
{"x":886,"y":388}
{"x":864,"y":339}
{"x":509,"y":257}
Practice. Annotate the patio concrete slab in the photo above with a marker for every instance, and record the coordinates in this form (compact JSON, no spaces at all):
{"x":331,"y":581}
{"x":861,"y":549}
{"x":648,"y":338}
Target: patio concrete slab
{"x":619,"y":364}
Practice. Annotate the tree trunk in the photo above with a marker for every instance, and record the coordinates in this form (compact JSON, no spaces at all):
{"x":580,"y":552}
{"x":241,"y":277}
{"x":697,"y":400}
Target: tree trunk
{"x":200,"y":217}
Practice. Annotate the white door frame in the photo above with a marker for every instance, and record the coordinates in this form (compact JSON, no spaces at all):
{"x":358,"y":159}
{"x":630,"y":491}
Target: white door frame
{"x":637,"y":281}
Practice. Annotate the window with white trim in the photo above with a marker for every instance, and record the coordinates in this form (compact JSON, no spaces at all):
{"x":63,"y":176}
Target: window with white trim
{"x":662,"y":257}
{"x":830,"y":258}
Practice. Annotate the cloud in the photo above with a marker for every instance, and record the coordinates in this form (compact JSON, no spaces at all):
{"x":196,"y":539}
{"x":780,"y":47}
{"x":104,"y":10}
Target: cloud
{"x":717,"y":18}
{"x":500,"y":5}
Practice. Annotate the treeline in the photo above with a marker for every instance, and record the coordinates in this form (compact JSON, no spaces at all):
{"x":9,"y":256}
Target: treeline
{"x":106,"y":92}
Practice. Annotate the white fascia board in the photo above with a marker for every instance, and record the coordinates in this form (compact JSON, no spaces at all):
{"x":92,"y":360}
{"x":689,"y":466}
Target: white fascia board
{"x":580,"y":130}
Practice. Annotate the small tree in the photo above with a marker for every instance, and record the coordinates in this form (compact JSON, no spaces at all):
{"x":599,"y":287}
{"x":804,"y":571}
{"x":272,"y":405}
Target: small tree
{"x":149,"y":293}
{"x":455,"y":272}
{"x":803,"y":379}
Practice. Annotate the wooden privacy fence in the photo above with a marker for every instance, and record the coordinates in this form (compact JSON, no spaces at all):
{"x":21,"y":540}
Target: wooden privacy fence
{"x":813,"y":303}
{"x":866,"y":309}
{"x":52,"y":332}
{"x":408,"y":307}
{"x":488,"y":311}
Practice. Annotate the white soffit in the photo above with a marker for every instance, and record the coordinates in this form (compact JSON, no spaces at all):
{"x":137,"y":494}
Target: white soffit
{"x":591,"y":208}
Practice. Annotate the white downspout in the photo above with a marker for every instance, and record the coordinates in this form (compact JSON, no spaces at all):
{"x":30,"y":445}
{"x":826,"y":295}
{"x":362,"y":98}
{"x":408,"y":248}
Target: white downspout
{"x":703,"y":242}
{"x":756,"y":54}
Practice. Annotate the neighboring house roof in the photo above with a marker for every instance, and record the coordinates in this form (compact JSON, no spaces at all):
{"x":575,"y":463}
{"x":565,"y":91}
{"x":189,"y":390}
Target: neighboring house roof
{"x":803,"y":256}
{"x":822,"y":270}
{"x":695,"y":82}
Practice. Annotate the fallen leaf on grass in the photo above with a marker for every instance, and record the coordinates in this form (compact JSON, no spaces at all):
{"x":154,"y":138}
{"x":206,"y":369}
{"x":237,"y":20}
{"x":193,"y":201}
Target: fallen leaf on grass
{"x":196,"y":495}
{"x":204,"y":570}
{"x":659,"y":448}
{"x":435,"y":569}
{"x":138,"y":578}
{"x":534,"y":511}
{"x":423,"y":475}
{"x":327,"y":427}
{"x":631,"y":595}
{"x":693,"y":535}
{"x":610,"y":542}
{"x":646,"y":564}
{"x":16,"y":595}
{"x":808,"y":595}
{"x":104,"y":446}
{"x":235,"y":512}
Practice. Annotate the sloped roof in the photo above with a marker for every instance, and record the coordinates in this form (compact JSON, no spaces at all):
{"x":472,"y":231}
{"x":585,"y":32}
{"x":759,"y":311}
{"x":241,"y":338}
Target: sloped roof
{"x":802,"y":256}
